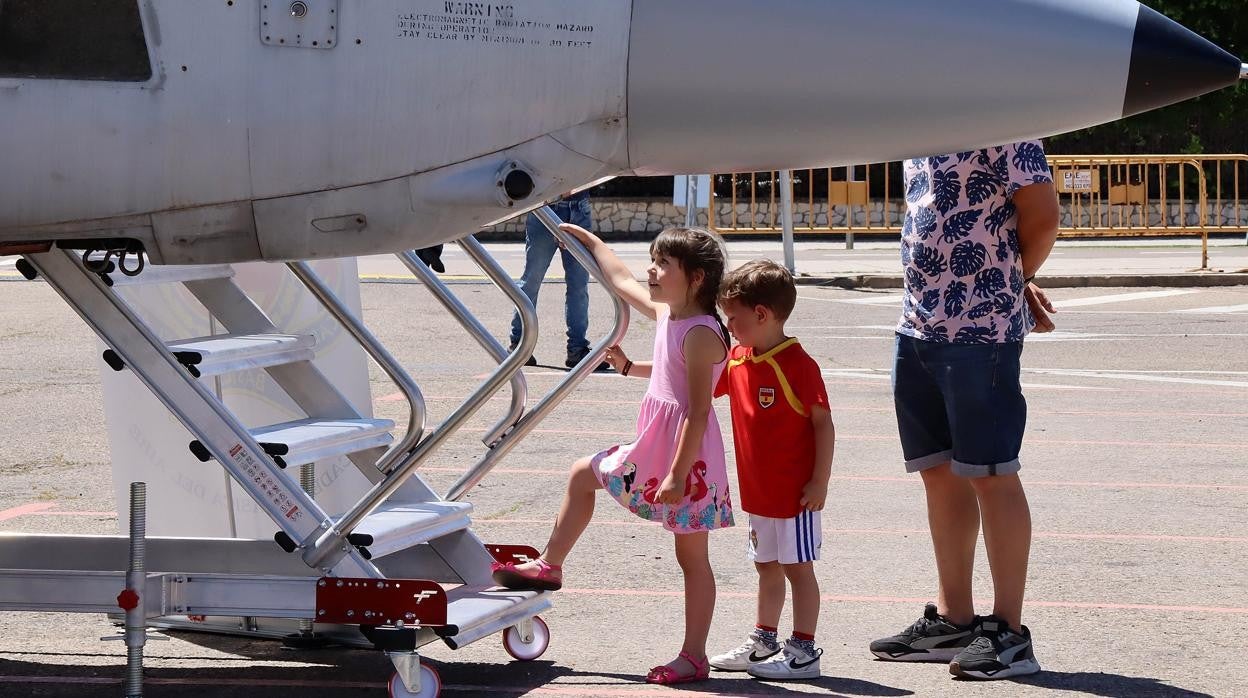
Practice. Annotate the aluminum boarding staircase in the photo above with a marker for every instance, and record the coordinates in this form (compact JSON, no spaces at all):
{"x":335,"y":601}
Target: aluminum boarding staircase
{"x":345,"y":575}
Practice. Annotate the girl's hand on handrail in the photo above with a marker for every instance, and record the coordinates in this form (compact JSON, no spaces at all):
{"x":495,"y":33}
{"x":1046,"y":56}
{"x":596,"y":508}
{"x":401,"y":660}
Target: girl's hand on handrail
{"x":616,"y":273}
{"x":587,"y":238}
{"x":617,"y":358}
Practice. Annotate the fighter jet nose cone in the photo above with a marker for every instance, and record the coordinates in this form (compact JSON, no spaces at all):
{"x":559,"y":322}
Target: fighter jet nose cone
{"x":1169,"y":64}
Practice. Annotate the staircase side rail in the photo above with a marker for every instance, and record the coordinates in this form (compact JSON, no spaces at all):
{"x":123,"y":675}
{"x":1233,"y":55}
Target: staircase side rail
{"x":443,"y":294}
{"x":415,"y":399}
{"x":569,"y":382}
{"x":529,"y":326}
{"x":328,"y":545}
{"x":229,"y":442}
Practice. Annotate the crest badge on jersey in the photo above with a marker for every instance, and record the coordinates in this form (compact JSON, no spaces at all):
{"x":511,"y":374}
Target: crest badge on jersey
{"x":766,"y":397}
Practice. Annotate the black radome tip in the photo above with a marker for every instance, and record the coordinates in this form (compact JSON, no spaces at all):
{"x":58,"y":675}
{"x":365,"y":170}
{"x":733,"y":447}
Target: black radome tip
{"x":1170,"y":64}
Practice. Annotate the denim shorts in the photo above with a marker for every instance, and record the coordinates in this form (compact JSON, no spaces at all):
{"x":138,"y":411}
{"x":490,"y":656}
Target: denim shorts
{"x":959,"y":404}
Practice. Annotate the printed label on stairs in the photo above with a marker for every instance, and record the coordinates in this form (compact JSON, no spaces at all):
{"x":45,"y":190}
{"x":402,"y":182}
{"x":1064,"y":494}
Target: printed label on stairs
{"x":272,"y":489}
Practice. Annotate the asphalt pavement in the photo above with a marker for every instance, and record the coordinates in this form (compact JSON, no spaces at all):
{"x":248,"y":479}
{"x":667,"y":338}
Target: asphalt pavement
{"x":1134,"y":463}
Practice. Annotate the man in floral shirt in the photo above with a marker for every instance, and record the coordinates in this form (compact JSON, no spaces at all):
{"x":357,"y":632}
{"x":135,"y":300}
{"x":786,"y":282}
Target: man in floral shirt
{"x":978,"y":227}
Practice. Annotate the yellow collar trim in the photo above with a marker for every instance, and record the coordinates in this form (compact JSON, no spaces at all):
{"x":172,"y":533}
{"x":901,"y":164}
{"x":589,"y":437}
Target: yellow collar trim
{"x":769,"y":359}
{"x":774,"y":350}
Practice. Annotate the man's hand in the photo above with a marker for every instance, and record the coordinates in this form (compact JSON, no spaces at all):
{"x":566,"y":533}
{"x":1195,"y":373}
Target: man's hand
{"x":617,"y":358}
{"x":1041,"y":307}
{"x":814,"y":495}
{"x":671,"y":491}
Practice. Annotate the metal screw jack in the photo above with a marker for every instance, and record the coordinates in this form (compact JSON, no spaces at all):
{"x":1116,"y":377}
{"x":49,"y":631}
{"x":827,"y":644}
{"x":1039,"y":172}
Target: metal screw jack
{"x":136,"y":577}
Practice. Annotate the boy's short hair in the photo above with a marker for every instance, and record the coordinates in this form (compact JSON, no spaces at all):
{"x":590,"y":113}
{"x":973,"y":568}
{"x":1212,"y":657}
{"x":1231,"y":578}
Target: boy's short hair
{"x":761,"y":282}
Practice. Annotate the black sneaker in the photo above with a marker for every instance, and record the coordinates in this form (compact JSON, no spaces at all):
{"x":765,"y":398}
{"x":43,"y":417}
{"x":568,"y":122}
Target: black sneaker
{"x":575,"y":356}
{"x":532,"y":361}
{"x":996,"y":653}
{"x":432,"y":257}
{"x":931,"y":638}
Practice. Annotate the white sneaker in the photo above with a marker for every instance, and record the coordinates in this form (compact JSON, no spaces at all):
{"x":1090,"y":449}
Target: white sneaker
{"x":742,"y":658}
{"x":792,"y":662}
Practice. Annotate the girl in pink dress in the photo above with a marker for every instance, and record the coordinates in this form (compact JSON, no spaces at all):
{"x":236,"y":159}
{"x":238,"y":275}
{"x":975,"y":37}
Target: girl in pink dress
{"x":674,"y":472}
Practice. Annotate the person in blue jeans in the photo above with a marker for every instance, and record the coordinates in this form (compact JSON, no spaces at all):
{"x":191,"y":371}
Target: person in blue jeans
{"x":539,"y":248}
{"x":978,"y":227}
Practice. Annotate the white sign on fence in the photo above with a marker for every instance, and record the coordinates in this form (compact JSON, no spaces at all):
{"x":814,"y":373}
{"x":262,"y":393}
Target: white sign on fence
{"x":1078,"y":181}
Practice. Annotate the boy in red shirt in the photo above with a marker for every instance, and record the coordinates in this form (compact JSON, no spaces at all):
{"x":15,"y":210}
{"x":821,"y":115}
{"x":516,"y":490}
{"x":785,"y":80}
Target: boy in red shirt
{"x":784,"y":443}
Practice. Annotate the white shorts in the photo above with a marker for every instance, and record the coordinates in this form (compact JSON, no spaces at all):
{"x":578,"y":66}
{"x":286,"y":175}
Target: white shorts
{"x":787,"y":541}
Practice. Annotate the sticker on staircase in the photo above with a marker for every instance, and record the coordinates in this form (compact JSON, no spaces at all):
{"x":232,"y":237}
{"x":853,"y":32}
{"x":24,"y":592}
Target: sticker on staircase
{"x":272,"y":489}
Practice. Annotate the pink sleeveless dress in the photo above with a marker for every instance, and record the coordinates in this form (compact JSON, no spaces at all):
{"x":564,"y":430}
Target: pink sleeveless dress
{"x":632,"y":472}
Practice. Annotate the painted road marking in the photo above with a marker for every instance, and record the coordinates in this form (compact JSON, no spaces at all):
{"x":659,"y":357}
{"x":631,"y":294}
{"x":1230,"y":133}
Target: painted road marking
{"x":886,"y":299}
{"x":1176,"y":377}
{"x":1121,"y":298}
{"x":1147,"y":372}
{"x":1217,"y":310}
{"x":1032,"y":440}
{"x":1063,"y":336}
{"x":563,"y":472}
{"x":1146,"y":537}
{"x":858,"y":337}
{"x":884,"y":375}
{"x":1150,"y":378}
{"x":839,"y":598}
{"x":1066,"y":336}
{"x":25,"y":510}
{"x":825,"y":328}
{"x":889,"y":299}
{"x":1108,"y":371}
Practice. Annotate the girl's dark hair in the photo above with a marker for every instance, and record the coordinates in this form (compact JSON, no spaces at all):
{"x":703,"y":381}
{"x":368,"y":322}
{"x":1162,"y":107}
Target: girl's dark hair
{"x":697,"y":249}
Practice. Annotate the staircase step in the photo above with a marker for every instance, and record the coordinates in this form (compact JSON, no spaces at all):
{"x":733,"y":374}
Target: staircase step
{"x":173,"y":274}
{"x":394,"y":527}
{"x":474,"y":612}
{"x":311,"y":440}
{"x":227,"y":353}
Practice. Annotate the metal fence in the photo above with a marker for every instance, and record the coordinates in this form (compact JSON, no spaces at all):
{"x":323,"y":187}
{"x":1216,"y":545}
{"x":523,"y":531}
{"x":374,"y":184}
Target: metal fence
{"x":1100,"y":196}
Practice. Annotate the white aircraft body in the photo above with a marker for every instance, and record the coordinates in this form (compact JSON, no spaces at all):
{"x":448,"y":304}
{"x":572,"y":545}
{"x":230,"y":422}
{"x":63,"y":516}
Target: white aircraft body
{"x":220,"y":131}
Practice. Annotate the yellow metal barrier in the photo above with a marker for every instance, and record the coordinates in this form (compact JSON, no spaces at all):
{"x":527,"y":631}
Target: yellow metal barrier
{"x":1100,"y":196}
{"x":824,"y":201}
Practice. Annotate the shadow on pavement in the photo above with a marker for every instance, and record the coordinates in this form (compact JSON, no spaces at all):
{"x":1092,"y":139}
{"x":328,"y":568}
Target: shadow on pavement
{"x":522,"y":678}
{"x":350,"y":673}
{"x":1108,"y":685}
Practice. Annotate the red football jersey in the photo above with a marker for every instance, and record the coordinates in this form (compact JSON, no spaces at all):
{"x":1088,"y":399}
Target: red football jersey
{"x":771,"y":397}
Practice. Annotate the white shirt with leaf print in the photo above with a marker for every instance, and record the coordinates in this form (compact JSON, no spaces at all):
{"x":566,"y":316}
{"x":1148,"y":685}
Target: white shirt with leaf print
{"x":959,"y":245}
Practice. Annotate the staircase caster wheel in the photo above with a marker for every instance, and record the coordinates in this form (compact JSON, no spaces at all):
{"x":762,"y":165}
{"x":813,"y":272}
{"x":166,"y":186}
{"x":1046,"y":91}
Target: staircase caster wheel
{"x":523,"y":651}
{"x":430,"y":684}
